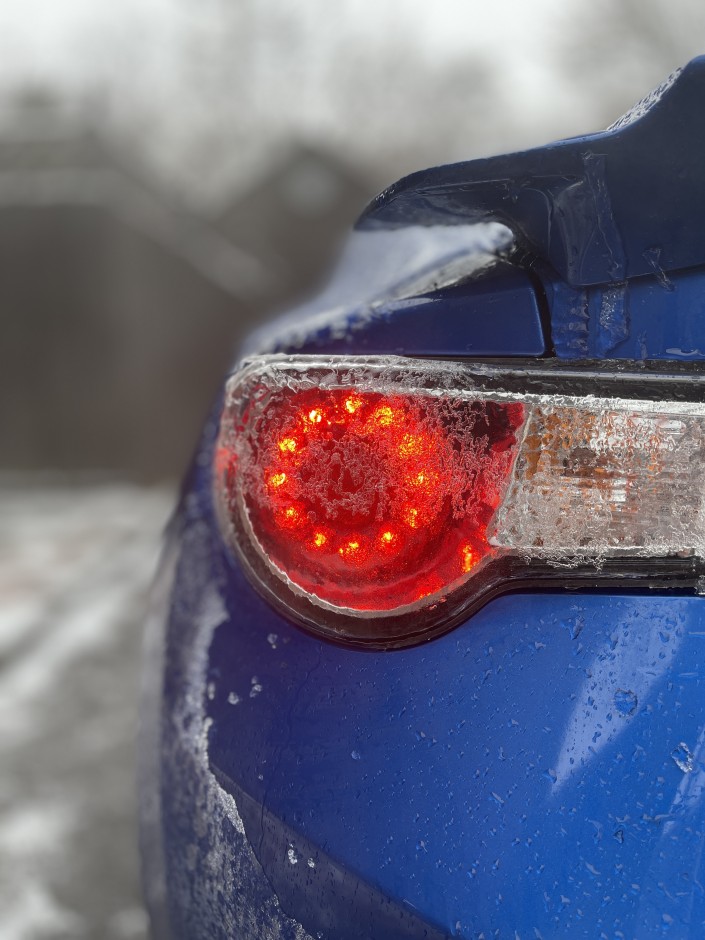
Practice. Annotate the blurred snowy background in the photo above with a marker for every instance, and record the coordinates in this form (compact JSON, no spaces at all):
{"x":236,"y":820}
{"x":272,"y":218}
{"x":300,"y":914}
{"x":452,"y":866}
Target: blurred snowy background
{"x":172,"y":171}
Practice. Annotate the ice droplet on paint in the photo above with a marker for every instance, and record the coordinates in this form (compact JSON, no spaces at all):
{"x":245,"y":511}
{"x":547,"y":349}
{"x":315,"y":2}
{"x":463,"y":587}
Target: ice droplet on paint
{"x":625,"y":701}
{"x":683,"y":758}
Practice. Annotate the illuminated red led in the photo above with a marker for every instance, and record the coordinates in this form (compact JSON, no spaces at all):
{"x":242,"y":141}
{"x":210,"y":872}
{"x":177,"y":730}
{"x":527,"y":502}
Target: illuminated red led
{"x":315,"y":416}
{"x":412,"y":516}
{"x":319,"y":540}
{"x":354,"y":551}
{"x":468,"y":558}
{"x":290,"y":516}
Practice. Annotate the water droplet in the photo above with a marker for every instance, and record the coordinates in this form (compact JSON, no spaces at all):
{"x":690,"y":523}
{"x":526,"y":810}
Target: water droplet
{"x":234,"y":698}
{"x":497,"y":798}
{"x":574,"y":627}
{"x":619,"y":836}
{"x":551,"y":775}
{"x":256,"y":687}
{"x":210,"y":691}
{"x":625,"y":701}
{"x":683,"y":758}
{"x":355,"y":755}
{"x":272,"y":639}
{"x":292,"y":856}
{"x":310,"y":862}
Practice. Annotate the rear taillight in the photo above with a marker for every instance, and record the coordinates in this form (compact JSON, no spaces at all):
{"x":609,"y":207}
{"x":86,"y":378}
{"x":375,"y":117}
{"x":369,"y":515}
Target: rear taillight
{"x":380,"y":500}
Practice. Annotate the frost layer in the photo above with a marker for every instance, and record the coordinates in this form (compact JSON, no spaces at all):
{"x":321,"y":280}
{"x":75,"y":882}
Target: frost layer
{"x":602,"y":477}
{"x":214,"y":885}
{"x":378,"y":266}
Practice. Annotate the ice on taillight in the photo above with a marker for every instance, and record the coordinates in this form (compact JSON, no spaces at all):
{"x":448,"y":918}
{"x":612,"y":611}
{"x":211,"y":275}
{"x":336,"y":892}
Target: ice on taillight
{"x":599,"y":478}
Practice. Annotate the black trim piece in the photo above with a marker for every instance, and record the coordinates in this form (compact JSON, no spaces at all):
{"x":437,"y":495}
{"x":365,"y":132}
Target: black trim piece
{"x":651,"y":380}
{"x":527,"y":262}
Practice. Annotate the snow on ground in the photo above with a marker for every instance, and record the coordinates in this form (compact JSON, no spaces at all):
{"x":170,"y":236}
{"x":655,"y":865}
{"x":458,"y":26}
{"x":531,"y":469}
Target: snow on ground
{"x":75,"y":565}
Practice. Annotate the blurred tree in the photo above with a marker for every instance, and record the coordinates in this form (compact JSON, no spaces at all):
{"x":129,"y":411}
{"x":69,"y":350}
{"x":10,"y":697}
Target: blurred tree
{"x":230,"y":85}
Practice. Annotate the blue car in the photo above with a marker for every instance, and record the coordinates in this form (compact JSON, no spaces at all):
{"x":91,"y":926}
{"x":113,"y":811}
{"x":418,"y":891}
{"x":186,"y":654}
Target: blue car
{"x":427,"y":650}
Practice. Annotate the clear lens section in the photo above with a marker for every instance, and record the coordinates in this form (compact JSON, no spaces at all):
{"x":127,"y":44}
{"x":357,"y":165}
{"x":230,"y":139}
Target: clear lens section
{"x":382,"y":487}
{"x":599,"y":478}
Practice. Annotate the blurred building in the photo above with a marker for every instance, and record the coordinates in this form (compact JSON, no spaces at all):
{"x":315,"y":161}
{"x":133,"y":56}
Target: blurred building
{"x":296,"y":215}
{"x":120,"y":311}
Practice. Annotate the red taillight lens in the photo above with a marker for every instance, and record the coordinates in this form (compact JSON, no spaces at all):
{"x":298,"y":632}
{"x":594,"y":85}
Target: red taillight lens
{"x":373,"y":498}
{"x":372,"y":501}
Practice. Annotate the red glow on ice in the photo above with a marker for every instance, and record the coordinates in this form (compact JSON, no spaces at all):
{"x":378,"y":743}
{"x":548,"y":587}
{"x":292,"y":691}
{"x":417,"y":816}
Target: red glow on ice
{"x":288,"y":445}
{"x":468,"y":558}
{"x":290,"y":517}
{"x":354,"y":551}
{"x":315,"y":416}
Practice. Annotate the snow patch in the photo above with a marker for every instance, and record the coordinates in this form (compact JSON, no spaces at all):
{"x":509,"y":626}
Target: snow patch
{"x":212,"y":880}
{"x":379,"y":266}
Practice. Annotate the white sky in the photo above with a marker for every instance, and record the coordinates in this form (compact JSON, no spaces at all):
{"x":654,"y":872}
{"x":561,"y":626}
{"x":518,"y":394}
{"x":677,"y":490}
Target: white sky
{"x":43,"y":32}
{"x":48,"y":40}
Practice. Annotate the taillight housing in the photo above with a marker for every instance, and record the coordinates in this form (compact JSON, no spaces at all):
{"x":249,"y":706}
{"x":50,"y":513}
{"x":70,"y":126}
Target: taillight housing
{"x":380,"y":500}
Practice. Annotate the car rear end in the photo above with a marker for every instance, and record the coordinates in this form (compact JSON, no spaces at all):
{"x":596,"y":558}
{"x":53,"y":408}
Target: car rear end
{"x":426,"y":653}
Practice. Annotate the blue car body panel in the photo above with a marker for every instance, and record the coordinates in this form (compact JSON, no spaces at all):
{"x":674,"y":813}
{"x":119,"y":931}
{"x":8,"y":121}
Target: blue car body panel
{"x":651,"y":317}
{"x":494,"y":314}
{"x":539,"y":770}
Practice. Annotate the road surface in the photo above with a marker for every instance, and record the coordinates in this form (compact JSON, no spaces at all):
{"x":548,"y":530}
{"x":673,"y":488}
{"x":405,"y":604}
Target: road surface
{"x":75,"y":565}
